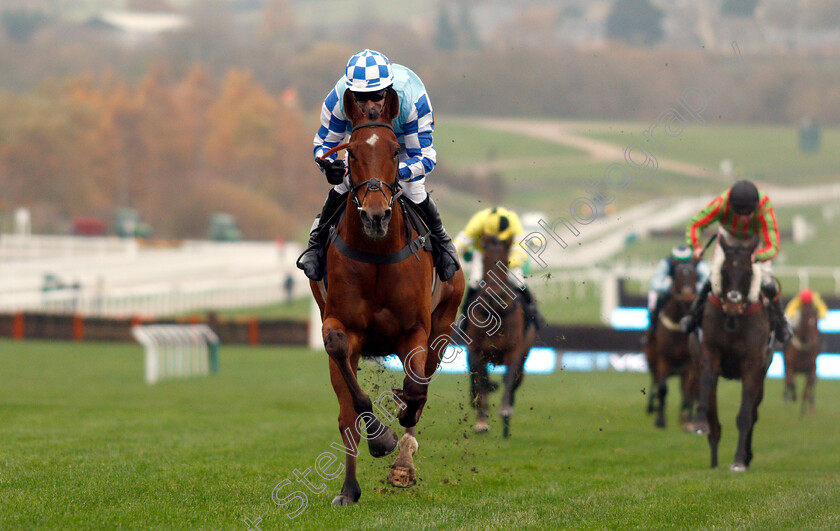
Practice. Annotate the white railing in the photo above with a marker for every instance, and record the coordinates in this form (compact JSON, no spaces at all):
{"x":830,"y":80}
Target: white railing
{"x":29,"y":246}
{"x":99,"y":279}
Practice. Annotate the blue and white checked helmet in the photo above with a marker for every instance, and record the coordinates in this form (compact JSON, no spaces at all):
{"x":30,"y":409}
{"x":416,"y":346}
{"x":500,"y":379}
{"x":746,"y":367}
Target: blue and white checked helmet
{"x":369,"y":71}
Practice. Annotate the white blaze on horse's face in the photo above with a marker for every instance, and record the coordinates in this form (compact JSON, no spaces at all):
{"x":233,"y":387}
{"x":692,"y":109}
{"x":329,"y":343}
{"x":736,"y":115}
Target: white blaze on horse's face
{"x":372,"y":140}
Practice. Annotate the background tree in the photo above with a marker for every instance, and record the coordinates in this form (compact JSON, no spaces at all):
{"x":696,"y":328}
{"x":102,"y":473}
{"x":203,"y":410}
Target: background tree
{"x":637,"y":22}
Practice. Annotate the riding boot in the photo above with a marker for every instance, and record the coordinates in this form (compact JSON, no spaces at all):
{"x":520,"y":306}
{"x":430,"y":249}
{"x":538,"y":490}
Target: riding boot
{"x":778,"y":322}
{"x":312,"y":260}
{"x":532,"y":314}
{"x":469,"y":297}
{"x":445,"y":255}
{"x":695,"y":315}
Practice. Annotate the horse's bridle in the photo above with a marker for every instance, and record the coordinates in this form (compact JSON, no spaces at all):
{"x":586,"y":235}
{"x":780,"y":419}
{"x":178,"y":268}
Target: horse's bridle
{"x":374,"y":184}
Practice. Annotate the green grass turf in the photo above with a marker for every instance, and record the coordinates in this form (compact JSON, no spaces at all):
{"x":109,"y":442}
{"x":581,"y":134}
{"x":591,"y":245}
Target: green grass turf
{"x":764,"y":153}
{"x":461,"y":146}
{"x":87,"y":445}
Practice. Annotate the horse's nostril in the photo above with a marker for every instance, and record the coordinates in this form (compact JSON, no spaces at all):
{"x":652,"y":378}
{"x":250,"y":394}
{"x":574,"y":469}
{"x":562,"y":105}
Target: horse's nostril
{"x":364,"y":215}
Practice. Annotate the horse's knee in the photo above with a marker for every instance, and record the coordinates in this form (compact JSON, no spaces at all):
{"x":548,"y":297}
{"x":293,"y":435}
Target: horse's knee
{"x":414,"y":392}
{"x":337,"y":344}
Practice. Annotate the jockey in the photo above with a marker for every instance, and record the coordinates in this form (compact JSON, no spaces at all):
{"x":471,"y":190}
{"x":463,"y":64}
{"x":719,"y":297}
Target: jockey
{"x":369,"y":76}
{"x":743,"y":212}
{"x":805,"y":297}
{"x":505,"y":225}
{"x":663,"y":278}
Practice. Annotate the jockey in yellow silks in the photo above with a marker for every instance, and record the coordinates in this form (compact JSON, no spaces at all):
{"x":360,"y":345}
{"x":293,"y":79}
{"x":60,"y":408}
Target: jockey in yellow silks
{"x":806,"y":296}
{"x":506,"y":226}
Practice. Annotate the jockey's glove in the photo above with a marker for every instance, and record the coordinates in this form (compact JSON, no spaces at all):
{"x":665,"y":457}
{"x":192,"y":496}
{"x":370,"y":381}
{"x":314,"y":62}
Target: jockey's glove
{"x":333,"y":169}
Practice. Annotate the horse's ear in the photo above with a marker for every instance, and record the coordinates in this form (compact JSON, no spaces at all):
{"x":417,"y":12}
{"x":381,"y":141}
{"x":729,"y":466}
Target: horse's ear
{"x":351,"y":110}
{"x":392,"y":106}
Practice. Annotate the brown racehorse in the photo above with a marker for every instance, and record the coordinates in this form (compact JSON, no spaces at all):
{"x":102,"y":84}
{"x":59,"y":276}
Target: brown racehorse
{"x":735,"y":344}
{"x":800,"y":355}
{"x":382,"y":296}
{"x":498,"y":334}
{"x":667,"y":351}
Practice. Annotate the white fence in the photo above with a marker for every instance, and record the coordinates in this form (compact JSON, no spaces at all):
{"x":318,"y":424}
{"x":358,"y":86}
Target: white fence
{"x":112,"y":277}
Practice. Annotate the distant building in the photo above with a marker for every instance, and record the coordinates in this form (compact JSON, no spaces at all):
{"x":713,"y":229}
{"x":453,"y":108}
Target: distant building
{"x":135,"y":28}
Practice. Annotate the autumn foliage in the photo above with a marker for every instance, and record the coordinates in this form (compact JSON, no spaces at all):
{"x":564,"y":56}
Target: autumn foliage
{"x":174,"y":149}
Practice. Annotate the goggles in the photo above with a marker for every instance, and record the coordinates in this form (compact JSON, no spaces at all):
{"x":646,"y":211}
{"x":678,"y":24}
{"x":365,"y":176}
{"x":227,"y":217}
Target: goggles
{"x":378,"y":95}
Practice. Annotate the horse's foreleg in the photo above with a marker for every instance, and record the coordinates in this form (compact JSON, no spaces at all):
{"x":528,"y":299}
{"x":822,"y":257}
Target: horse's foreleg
{"x":662,"y":370}
{"x":420,"y":366}
{"x":687,"y":402}
{"x":714,"y":425}
{"x":343,"y":349}
{"x":751,"y":395}
{"x":651,"y":393}
{"x":808,"y":395}
{"x":413,"y":350}
{"x":479,"y":384}
{"x":350,"y":436}
{"x":513,"y":377}
{"x":708,"y":379}
{"x":759,"y":397}
{"x":790,"y":383}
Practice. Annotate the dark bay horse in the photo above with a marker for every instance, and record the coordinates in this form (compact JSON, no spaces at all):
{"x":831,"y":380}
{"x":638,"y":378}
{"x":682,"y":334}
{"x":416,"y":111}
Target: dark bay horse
{"x":800,"y":355}
{"x":497,"y":333}
{"x":380,"y":296}
{"x":667,"y":351}
{"x":736,"y":345}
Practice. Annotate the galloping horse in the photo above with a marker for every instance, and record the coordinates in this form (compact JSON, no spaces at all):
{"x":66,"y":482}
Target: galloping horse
{"x":800,"y":355}
{"x":498,"y":334}
{"x":667,"y":352}
{"x":380,"y":296}
{"x":735,"y":344}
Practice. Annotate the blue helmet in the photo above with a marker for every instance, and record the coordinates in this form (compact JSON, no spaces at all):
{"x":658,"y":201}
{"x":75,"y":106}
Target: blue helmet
{"x":369,"y":71}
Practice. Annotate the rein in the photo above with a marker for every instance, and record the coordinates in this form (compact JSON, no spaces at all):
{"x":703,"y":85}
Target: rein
{"x":376,"y":185}
{"x":668,"y":323}
{"x":743,"y":308}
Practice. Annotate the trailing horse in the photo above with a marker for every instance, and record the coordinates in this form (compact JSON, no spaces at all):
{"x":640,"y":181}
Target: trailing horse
{"x":800,"y":355}
{"x":667,"y":351}
{"x":736,"y":345}
{"x":498,"y":333}
{"x":381,"y":296}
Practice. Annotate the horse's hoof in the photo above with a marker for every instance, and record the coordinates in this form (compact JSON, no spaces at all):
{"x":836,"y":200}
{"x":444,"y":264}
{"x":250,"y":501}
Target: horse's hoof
{"x":506,"y":411}
{"x":659,"y":423}
{"x":384,"y":444}
{"x":688,"y":426}
{"x":481,"y":426}
{"x":343,"y":499}
{"x":402,"y":477}
{"x":737,"y":467}
{"x":701,"y":428}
